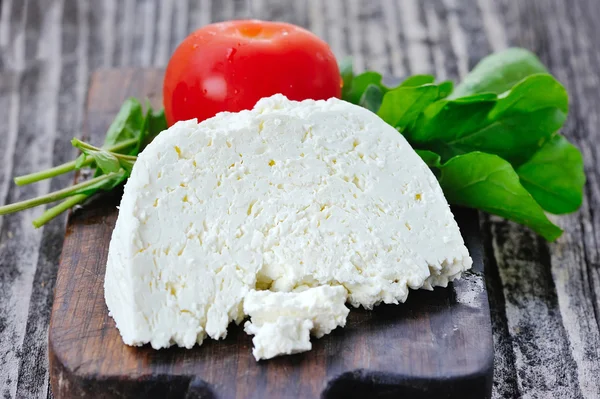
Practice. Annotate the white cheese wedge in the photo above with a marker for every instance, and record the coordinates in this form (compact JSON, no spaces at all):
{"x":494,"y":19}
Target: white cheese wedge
{"x":281,"y":321}
{"x":287,"y":195}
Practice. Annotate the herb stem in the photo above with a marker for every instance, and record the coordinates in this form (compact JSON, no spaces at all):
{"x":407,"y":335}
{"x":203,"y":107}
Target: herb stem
{"x":49,"y":173}
{"x":68,"y":167}
{"x":54,"y":196}
{"x":83,"y":144}
{"x":56,"y":210}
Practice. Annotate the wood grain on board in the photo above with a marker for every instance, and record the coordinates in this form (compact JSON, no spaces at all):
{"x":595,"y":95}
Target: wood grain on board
{"x":544,"y":298}
{"x":438,"y":343}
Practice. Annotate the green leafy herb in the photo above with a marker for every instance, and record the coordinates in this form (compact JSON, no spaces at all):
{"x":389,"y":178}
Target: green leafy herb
{"x":487,"y":182}
{"x":106,"y":161}
{"x":130,"y":132}
{"x":417,"y":80}
{"x":89,"y":186}
{"x":499,"y":72}
{"x":401,"y":106}
{"x":154,"y":123}
{"x":128,"y":124}
{"x":554,"y":176}
{"x":432,"y":159}
{"x":359,"y":84}
{"x":371,"y":98}
{"x":513,"y":125}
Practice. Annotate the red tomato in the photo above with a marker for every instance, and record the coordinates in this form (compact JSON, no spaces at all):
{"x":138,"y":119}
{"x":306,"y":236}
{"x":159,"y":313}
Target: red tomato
{"x":229,"y":66}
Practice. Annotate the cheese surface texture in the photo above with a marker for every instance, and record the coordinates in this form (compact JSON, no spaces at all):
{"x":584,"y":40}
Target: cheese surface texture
{"x":286,"y":197}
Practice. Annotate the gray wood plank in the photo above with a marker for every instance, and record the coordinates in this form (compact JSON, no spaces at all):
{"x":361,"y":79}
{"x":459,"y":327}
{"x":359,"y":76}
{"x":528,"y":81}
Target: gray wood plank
{"x":36,"y":119}
{"x":559,"y":32}
{"x":72,"y":46}
{"x":545,"y":297}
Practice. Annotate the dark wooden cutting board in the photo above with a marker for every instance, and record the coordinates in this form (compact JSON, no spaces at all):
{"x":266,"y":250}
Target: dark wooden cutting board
{"x":436,"y":345}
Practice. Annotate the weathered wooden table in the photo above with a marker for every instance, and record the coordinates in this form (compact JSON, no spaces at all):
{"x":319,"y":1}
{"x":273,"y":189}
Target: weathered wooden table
{"x":545,"y":299}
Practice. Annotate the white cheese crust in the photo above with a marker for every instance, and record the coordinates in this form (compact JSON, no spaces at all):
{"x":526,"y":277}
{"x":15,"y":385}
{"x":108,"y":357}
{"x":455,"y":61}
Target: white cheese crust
{"x":287,"y":195}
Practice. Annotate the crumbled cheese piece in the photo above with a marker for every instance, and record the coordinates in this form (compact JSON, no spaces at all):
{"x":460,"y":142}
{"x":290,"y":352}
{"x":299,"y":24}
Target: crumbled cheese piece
{"x":287,"y":196}
{"x":286,"y":336}
{"x":281,"y":321}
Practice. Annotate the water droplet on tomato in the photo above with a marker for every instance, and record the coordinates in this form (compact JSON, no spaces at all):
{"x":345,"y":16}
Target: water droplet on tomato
{"x":195,"y":46}
{"x":230,"y":53}
{"x":204,"y":91}
{"x":235,"y":91}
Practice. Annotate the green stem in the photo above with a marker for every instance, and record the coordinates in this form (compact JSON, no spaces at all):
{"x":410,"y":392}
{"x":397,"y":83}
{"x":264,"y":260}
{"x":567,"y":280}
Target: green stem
{"x":48,"y":173}
{"x":82,"y":144}
{"x":54,"y":196}
{"x":53,"y":212}
{"x":67,"y":167}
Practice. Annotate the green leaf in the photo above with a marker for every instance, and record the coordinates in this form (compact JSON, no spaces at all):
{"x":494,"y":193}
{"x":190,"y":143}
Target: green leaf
{"x":513,"y":126}
{"x":106,"y":161}
{"x":554,"y":176}
{"x":445,"y":89}
{"x":446,"y":121}
{"x":417,"y":80}
{"x":499,"y":72}
{"x":534,"y":93}
{"x":127,"y":125}
{"x":430,"y":158}
{"x":489,"y":183}
{"x":371,"y":98}
{"x":359,"y":85}
{"x":401,"y":106}
{"x":154,"y":123}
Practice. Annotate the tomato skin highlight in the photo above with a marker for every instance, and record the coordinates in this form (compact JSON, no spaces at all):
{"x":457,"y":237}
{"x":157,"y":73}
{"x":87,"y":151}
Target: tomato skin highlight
{"x":229,"y":66}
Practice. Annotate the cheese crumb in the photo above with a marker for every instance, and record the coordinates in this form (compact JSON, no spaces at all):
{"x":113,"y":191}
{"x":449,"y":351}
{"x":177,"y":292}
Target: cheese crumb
{"x":281,"y":321}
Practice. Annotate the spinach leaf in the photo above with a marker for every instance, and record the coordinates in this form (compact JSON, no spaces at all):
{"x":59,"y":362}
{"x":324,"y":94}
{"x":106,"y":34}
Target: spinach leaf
{"x":446,"y":88}
{"x":430,"y":158}
{"x":489,"y":183}
{"x":371,"y":98}
{"x":360,"y":83}
{"x":445,"y":121}
{"x":417,"y":80}
{"x":499,"y":72}
{"x":554,"y":176}
{"x":154,"y":123}
{"x":127,"y":125}
{"x":106,"y":161}
{"x":513,"y":125}
{"x":401,"y":106}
